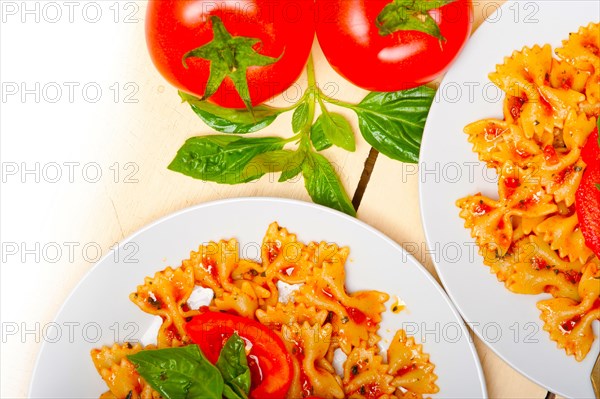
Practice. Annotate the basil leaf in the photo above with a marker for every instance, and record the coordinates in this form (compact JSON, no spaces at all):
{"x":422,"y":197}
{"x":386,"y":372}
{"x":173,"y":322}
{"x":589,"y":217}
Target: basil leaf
{"x":284,"y":161}
{"x":393,"y":122}
{"x":336,"y":129}
{"x":221,"y":158}
{"x":293,"y":167}
{"x":228,"y":120}
{"x":317,"y":136}
{"x":300,"y":117}
{"x":234,"y":368}
{"x":179,"y":373}
{"x":323,"y":184}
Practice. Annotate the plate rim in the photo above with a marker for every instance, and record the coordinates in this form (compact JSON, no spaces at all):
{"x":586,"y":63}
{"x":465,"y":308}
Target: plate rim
{"x":285,"y":201}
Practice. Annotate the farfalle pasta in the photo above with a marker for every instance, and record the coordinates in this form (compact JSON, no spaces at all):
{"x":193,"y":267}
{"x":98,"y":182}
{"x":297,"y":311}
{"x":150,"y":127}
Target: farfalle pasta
{"x":315,"y":321}
{"x":530,"y":236}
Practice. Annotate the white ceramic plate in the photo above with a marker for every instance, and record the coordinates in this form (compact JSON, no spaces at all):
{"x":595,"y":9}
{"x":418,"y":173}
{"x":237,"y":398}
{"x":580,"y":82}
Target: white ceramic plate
{"x":100,"y":312}
{"x":508,"y":323}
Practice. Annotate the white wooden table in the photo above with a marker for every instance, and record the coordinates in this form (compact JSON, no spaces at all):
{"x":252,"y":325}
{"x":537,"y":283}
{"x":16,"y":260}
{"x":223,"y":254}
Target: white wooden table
{"x":53,"y":232}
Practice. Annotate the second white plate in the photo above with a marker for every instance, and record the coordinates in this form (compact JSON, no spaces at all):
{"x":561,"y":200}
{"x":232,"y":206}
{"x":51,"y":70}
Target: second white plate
{"x":99,"y":312}
{"x":508,"y":323}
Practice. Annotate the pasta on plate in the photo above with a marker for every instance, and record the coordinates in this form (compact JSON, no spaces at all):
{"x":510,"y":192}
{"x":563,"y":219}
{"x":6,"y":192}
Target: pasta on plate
{"x":530,"y":236}
{"x":316,"y":321}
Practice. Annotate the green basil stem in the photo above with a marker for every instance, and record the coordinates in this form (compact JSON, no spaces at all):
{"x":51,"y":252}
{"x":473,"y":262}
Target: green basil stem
{"x":312,"y":93}
{"x":339,"y":103}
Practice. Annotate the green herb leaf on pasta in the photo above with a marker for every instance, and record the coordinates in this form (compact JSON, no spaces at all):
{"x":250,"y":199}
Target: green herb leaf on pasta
{"x":179,"y":373}
{"x":233,"y":365}
{"x":222,"y":158}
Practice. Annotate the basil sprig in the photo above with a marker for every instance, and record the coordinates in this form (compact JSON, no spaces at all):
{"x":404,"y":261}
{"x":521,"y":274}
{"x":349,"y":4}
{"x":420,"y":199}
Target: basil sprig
{"x":390,"y":122}
{"x":184,"y":372}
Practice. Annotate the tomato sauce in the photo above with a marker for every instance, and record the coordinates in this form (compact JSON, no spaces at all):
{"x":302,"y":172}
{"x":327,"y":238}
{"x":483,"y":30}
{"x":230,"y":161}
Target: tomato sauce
{"x":515,"y":104}
{"x":522,"y":153}
{"x":569,"y":325}
{"x":528,"y":203}
{"x":573,"y":276}
{"x":211,"y":266}
{"x":512,"y":182}
{"x":550,"y":155}
{"x":370,"y":391}
{"x":492,"y":131}
{"x":481,"y":209}
{"x":546,"y":105}
{"x":273,"y":249}
{"x":538,"y":263}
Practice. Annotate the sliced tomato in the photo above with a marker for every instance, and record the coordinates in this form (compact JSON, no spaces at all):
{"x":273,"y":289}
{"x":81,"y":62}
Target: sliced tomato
{"x":590,"y":152}
{"x":269,"y":361}
{"x":587,"y":197}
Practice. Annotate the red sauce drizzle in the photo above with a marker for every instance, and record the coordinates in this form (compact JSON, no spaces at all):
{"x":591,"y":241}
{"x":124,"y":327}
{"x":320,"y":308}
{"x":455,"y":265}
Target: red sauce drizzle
{"x":307,"y":387}
{"x":522,"y":153}
{"x":573,"y":276}
{"x":501,"y":224}
{"x":492,"y":131}
{"x":371,"y":391}
{"x":527,"y":203}
{"x":569,"y":325}
{"x":545,"y":105}
{"x":562,"y":175}
{"x":481,"y":209}
{"x":567,"y":83}
{"x":550,"y":155}
{"x":515,"y":104}
{"x":356,"y":315}
{"x":405,"y":370}
{"x":273,"y":251}
{"x":538,"y":263}
{"x":359,"y":317}
{"x":512,"y":182}
{"x":211,"y":266}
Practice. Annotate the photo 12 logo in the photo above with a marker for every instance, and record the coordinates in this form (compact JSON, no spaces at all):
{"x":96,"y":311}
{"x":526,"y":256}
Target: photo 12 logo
{"x":69,"y":92}
{"x":68,"y":172}
{"x":65,"y":252}
{"x":53,"y":12}
{"x":69,"y":331}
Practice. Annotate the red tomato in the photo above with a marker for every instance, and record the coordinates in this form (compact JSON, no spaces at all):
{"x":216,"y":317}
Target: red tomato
{"x":269,"y":361}
{"x":587,"y":197}
{"x":351,"y":40}
{"x":285,"y":28}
